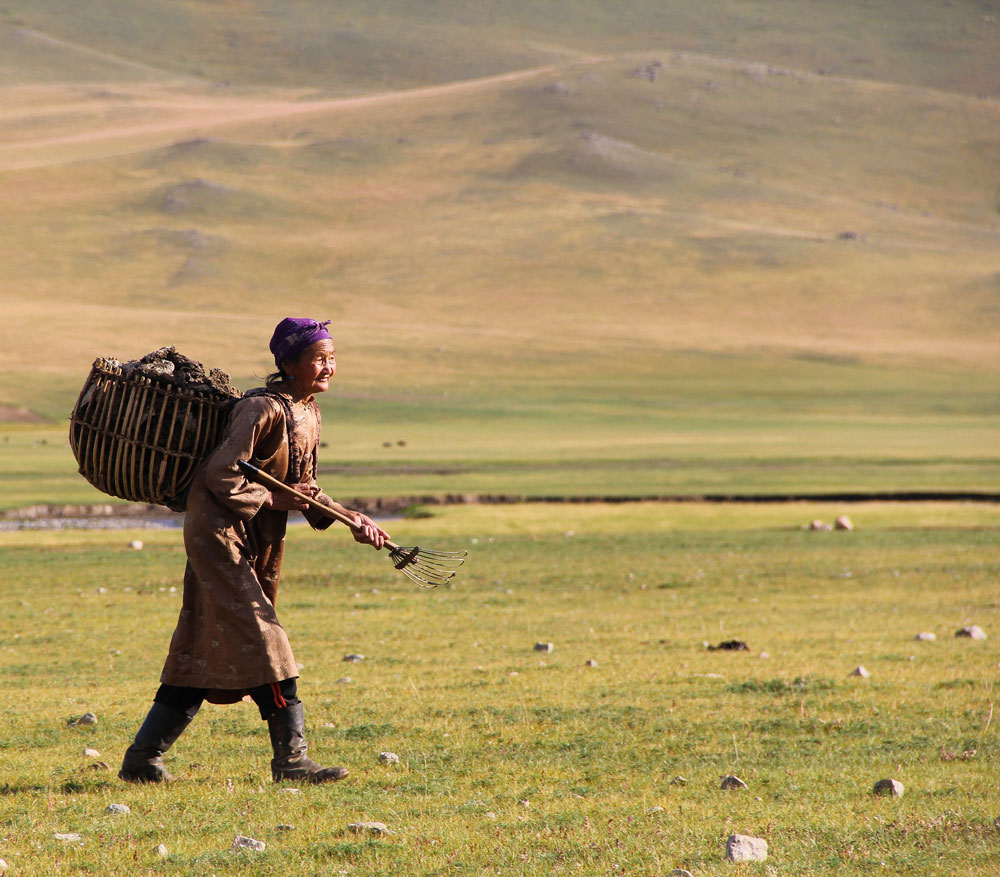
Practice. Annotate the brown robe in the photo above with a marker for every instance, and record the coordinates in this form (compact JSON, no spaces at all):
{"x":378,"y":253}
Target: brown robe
{"x":228,"y":638}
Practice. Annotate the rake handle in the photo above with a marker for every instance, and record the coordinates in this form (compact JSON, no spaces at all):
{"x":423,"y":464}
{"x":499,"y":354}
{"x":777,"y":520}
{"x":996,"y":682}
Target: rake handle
{"x":255,"y":473}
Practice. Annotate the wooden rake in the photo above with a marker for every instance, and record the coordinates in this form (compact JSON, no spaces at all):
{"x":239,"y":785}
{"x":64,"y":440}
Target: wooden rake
{"x":425,"y":567}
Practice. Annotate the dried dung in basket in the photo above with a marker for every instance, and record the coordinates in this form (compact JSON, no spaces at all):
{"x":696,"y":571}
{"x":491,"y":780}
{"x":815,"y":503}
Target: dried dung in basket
{"x":139,"y":429}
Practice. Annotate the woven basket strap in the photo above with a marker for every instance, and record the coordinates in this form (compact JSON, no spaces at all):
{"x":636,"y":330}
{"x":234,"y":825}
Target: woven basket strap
{"x":298,"y":467}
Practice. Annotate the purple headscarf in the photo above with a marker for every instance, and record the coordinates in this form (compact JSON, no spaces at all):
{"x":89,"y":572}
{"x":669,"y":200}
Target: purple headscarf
{"x":293,"y":335}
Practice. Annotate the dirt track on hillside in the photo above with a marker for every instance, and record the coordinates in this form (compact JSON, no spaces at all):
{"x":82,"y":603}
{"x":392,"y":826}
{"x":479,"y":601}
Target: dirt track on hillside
{"x":186,"y":117}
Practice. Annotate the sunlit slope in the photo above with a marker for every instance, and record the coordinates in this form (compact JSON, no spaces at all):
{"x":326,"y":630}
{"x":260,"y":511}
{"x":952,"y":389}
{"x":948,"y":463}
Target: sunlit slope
{"x":573,"y":224}
{"x":610,"y":258}
{"x":335,"y":47}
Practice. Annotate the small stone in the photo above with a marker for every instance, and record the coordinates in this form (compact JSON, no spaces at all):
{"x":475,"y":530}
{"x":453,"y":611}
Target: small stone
{"x":732,"y":782}
{"x":84,"y":720}
{"x":973,"y":631}
{"x":162,"y":851}
{"x":680,"y":872}
{"x":290,"y":791}
{"x":860,"y":671}
{"x":763,"y":655}
{"x":489,"y":814}
{"x":135,"y":545}
{"x":247,"y":843}
{"x":524,"y":802}
{"x":68,"y":837}
{"x":590,"y":663}
{"x":344,"y":680}
{"x":744,"y":848}
{"x":888,"y":788}
{"x":820,"y":526}
{"x":353,"y":659}
{"x":678,"y":781}
{"x":544,"y":647}
{"x":118,"y":809}
{"x":284,"y":827}
{"x":656,"y":808}
{"x":843,"y":523}
{"x":91,"y":753}
{"x":388,"y":758}
{"x":98,"y":765}
{"x":377,"y":829}
{"x":925,"y":637}
{"x":3,"y":867}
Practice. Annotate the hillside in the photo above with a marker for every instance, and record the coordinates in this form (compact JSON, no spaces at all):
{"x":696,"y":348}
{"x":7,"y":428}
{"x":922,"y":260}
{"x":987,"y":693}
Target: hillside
{"x":529,"y":222}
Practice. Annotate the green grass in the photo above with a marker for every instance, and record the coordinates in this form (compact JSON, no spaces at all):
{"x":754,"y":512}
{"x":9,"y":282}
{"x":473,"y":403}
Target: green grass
{"x":481,"y":722}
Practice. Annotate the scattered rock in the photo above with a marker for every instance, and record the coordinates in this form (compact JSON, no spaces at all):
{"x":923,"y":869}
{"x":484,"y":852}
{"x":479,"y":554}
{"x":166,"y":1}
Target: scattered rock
{"x":680,"y":872}
{"x":860,"y":671}
{"x":83,"y":721}
{"x":344,"y":680}
{"x":98,"y":765}
{"x":524,"y":802}
{"x":118,"y":809}
{"x":590,"y":663}
{"x":68,"y":837}
{"x":678,"y":781}
{"x":247,"y":843}
{"x":544,"y":647}
{"x":388,"y":758}
{"x":843,"y":523}
{"x":732,"y":782}
{"x":290,"y":791}
{"x":730,"y":645}
{"x":91,"y":753}
{"x":376,"y":829}
{"x":925,"y":637}
{"x":284,"y":827}
{"x":3,"y":867}
{"x":489,"y":814}
{"x":162,"y":851}
{"x":353,"y":659}
{"x":744,"y":848}
{"x":888,"y":788}
{"x":135,"y":545}
{"x":973,"y":631}
{"x":820,"y":525}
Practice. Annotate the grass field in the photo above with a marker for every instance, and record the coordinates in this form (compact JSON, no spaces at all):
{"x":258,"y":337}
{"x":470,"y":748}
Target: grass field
{"x":639,"y":249}
{"x":514,"y":761}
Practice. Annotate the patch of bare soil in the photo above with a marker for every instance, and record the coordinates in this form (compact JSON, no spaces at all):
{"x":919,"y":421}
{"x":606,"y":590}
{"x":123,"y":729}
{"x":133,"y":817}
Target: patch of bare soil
{"x":13,"y":414}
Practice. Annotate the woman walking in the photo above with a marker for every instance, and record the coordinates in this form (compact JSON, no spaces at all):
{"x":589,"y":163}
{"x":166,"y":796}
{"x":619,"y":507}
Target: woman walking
{"x":228,"y":641}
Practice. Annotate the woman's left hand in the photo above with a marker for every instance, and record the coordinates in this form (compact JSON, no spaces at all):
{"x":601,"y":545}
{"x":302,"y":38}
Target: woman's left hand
{"x":368,"y":532}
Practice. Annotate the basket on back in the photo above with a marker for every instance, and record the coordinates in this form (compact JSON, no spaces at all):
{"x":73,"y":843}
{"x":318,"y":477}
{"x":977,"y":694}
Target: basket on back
{"x":140,"y":435}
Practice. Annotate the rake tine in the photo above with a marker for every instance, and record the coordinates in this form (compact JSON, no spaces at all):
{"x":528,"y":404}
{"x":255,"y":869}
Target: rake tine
{"x":413,"y":576}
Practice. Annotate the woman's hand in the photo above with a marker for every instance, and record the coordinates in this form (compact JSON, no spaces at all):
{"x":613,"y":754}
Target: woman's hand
{"x":367,"y":531}
{"x":286,"y":502}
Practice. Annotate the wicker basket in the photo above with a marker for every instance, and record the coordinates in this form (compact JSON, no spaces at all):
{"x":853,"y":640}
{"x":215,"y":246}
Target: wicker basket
{"x":140,"y":437}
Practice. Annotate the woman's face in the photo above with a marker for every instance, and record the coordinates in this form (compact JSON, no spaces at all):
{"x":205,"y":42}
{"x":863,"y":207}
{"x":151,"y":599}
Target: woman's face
{"x":311,"y":371}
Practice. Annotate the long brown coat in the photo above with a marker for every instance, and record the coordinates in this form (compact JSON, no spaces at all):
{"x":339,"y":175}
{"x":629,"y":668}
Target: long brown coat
{"x":228,"y":637}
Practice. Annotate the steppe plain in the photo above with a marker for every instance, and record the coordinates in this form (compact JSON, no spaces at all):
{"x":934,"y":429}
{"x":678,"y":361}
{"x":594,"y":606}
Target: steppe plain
{"x":726,"y":249}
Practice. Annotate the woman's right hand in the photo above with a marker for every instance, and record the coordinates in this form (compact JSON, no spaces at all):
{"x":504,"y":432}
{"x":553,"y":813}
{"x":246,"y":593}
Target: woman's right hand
{"x":286,"y":502}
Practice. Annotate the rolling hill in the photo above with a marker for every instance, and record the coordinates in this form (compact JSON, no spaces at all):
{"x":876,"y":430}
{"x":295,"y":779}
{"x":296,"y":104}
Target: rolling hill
{"x":578,"y":231}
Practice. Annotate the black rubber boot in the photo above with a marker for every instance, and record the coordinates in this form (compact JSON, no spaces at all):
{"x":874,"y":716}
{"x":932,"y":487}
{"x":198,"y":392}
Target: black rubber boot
{"x":288,"y":740}
{"x":143,"y":759}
